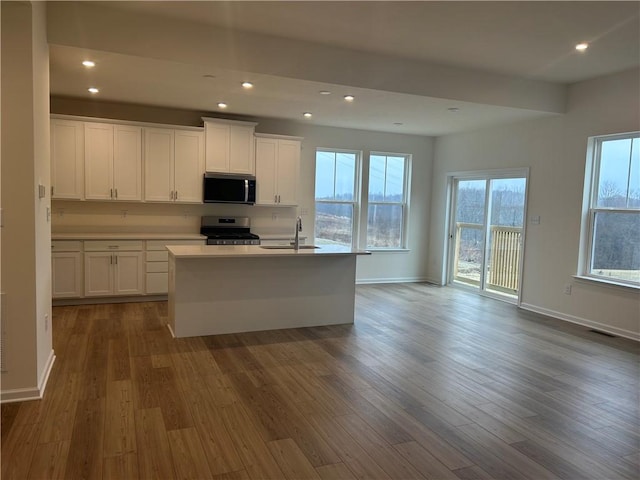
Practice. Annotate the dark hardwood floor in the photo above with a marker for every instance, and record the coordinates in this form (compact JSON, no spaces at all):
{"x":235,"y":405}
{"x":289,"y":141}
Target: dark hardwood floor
{"x":430,"y":382}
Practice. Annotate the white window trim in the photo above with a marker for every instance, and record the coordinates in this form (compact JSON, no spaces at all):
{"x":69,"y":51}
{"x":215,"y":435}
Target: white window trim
{"x":592,"y":173}
{"x":406,"y":195}
{"x":356,"y":205}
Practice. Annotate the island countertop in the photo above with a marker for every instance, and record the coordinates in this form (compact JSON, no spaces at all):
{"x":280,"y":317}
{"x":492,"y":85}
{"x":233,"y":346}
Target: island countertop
{"x":227,"y":251}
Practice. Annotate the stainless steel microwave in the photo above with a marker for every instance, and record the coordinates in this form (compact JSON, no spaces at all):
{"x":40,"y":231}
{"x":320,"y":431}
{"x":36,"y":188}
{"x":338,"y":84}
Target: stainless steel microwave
{"x":224,"y":188}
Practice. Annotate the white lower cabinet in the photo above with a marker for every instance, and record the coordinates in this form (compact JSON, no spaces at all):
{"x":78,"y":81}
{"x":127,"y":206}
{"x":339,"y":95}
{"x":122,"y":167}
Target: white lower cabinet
{"x":66,"y":269}
{"x":113,"y":268}
{"x":157,"y":264}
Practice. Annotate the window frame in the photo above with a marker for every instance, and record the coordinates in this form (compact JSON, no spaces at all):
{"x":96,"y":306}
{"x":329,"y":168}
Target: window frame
{"x":591,"y":209}
{"x":404,"y":204}
{"x":355,"y":203}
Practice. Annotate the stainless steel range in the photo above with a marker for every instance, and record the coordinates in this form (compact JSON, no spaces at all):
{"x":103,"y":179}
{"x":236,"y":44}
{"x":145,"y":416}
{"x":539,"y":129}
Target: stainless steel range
{"x":228,"y":231}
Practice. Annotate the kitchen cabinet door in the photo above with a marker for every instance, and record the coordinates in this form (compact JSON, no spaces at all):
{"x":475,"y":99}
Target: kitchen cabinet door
{"x":66,"y":275}
{"x":128,"y":273}
{"x":277,"y":171}
{"x":127,"y":163}
{"x":266,"y":171}
{"x":67,"y":159}
{"x":98,"y":274}
{"x":98,"y":155}
{"x":188,"y":166}
{"x":288,"y":174}
{"x":217,"y":147}
{"x":158,"y":164}
{"x":241,"y":153}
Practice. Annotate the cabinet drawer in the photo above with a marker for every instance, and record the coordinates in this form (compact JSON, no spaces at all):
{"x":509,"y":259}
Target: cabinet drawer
{"x":157,"y":256}
{"x":66,"y":246}
{"x":155,"y":267}
{"x":113,"y":245}
{"x":157,"y":283}
{"x":162,"y":244}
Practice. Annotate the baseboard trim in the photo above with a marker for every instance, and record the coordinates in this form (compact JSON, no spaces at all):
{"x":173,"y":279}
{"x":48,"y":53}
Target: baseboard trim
{"x":26,"y":394}
{"x":100,"y":300}
{"x":47,"y":371}
{"x":620,"y":332}
{"x":371,"y":281}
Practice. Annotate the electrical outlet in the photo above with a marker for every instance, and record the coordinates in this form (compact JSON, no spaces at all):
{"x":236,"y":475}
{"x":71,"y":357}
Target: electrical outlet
{"x":567,"y":289}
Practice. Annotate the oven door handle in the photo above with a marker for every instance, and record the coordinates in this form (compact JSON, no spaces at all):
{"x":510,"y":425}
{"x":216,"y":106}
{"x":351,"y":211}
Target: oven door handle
{"x":246,"y":190}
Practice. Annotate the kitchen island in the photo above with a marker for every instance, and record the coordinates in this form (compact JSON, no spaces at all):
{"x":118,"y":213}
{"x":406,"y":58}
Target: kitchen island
{"x":218,"y":289}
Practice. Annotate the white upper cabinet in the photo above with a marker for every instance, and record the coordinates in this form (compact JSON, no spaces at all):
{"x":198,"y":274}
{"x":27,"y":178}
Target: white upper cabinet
{"x":277,"y":170}
{"x":113,"y":162}
{"x":158,"y":164}
{"x":174,"y":165}
{"x":229,"y":146}
{"x":67,"y":159}
{"x":189,"y":166}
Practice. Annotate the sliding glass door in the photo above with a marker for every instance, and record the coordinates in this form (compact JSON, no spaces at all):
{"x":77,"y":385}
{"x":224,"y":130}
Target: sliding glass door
{"x":487,"y":233}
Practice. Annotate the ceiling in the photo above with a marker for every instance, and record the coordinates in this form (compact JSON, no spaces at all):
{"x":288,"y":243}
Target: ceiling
{"x":406,"y":63}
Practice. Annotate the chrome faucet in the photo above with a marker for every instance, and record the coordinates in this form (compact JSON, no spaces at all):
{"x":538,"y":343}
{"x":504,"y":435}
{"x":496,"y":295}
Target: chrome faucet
{"x":296,"y":241}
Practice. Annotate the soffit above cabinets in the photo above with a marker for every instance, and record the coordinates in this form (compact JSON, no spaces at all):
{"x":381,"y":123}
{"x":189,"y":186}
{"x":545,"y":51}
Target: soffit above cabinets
{"x":407,"y":63}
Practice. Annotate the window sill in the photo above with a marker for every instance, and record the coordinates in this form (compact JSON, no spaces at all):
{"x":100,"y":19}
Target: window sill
{"x":388,"y":250}
{"x":607,"y":283}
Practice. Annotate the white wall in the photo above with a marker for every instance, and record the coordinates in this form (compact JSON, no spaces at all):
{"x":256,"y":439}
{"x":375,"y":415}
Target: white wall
{"x":26,"y":253}
{"x":555,"y":151}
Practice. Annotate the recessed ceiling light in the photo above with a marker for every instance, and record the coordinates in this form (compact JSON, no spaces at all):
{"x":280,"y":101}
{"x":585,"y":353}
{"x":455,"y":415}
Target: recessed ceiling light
{"x":349,"y":98}
{"x":93,"y":90}
{"x":581,"y":47}
{"x":247,"y":85}
{"x":324,"y":92}
{"x":453,"y":109}
{"x":307,"y":114}
{"x":222,"y":105}
{"x":89,"y":64}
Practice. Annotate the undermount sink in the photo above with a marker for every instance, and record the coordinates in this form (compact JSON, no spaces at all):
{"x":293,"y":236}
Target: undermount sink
{"x":287,"y":247}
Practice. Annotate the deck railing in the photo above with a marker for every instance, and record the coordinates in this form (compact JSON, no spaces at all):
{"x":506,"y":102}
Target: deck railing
{"x":503,"y":270}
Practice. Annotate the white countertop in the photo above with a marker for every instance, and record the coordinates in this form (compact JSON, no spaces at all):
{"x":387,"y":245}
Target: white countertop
{"x":225,"y":251}
{"x":127,"y":236}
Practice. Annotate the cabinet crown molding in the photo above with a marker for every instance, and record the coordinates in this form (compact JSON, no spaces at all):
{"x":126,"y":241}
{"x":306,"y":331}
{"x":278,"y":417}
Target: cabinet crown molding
{"x":229,"y":122}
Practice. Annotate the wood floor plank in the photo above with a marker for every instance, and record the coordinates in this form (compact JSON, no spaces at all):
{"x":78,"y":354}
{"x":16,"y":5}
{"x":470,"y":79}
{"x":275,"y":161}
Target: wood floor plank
{"x":18,"y":451}
{"x":154,"y":453}
{"x":256,"y":457}
{"x":120,"y":467}
{"x":85,"y":449}
{"x":120,"y":437}
{"x":336,"y":471}
{"x":217,"y":444}
{"x":292,"y":460}
{"x":424,"y":462}
{"x":49,"y":461}
{"x":188,"y":456}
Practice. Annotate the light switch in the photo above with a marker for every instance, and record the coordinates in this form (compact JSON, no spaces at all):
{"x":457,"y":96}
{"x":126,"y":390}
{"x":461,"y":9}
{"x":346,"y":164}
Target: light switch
{"x":42,"y":191}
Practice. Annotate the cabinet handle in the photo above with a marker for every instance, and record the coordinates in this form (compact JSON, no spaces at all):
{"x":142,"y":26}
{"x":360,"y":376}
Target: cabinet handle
{"x":115,"y":257}
{"x":176,"y":195}
{"x":111,"y":260}
{"x":116,"y":193}
{"x":275,"y":199}
{"x":52,"y":187}
{"x":111,"y":193}
{"x":171,"y":195}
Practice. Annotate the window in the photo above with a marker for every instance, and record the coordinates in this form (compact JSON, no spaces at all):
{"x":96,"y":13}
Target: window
{"x":336,"y":197}
{"x":614,"y":209}
{"x":387,"y":200}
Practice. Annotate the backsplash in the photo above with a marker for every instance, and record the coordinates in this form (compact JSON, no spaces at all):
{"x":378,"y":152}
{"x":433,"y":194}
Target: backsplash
{"x":104,"y":217}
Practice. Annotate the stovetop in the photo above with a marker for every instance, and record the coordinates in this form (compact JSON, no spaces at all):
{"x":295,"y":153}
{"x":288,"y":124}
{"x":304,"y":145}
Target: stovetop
{"x":228,"y":231}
